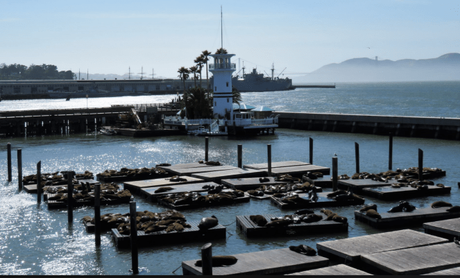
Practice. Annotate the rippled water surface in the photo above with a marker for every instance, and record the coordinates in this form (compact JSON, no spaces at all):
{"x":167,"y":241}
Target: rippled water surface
{"x":38,"y":241}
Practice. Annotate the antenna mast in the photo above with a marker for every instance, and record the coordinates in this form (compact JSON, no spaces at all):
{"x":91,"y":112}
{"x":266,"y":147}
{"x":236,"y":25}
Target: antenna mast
{"x":221,"y":36}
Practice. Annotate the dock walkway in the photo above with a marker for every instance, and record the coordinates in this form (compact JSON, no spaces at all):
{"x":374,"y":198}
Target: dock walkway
{"x":277,"y":261}
{"x":339,"y":269}
{"x":391,"y":193}
{"x":449,"y":228}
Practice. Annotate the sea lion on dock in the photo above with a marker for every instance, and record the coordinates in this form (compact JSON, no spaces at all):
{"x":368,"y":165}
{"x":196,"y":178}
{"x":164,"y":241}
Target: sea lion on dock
{"x":213,"y":163}
{"x":163,"y":189}
{"x":177,"y":178}
{"x":219,"y":261}
{"x":368,"y":207}
{"x":303,"y":211}
{"x":309,"y":218}
{"x":373,"y":213}
{"x":258,"y":219}
{"x":208,"y":222}
{"x":439,"y":204}
{"x":264,"y":179}
{"x":341,"y":219}
{"x":453,"y":209}
{"x":335,"y":193}
{"x":279,"y":222}
{"x":303,"y":249}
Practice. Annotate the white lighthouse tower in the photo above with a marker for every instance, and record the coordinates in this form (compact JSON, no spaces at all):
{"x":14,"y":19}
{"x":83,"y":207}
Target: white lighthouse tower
{"x":222,"y":71}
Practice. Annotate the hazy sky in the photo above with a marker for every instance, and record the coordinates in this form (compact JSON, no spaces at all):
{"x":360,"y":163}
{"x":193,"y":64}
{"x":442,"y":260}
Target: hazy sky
{"x":299,"y":35}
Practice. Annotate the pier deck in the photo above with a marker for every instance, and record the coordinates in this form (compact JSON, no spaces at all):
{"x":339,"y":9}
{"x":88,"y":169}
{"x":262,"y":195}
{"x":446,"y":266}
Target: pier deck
{"x":136,"y":186}
{"x":390,"y":193}
{"x":418,"y":216}
{"x":251,"y":229}
{"x":163,"y":237}
{"x":339,"y":269}
{"x":264,"y":166}
{"x":277,"y":261}
{"x":417,"y":260}
{"x":449,"y":228}
{"x":352,"y":249}
{"x":323,"y":201}
{"x":236,"y":172}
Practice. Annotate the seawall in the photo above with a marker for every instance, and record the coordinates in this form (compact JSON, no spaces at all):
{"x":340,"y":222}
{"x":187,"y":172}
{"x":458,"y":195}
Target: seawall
{"x":424,"y":127}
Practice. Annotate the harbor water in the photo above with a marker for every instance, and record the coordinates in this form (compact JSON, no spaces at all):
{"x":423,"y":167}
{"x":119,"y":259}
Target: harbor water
{"x":38,"y":241}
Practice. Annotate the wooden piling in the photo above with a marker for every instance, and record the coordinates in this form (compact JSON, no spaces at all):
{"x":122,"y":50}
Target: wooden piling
{"x":269,"y":154}
{"x":334,"y":173}
{"x":69,"y":198}
{"x":240,"y":156}
{"x":39,"y":182}
{"x":357,"y":157}
{"x":390,"y":155}
{"x":206,"y":259}
{"x":8,"y":146}
{"x":420,"y":164}
{"x":97,"y":213}
{"x":311,"y":150}
{"x":206,"y":147}
{"x":134,"y":249}
{"x":20,"y":169}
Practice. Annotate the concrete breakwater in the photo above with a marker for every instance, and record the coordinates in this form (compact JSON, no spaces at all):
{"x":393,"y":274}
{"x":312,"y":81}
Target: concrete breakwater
{"x":425,"y":127}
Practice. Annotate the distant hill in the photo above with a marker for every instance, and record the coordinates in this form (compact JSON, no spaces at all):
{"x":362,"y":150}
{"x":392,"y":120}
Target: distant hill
{"x":443,"y":68}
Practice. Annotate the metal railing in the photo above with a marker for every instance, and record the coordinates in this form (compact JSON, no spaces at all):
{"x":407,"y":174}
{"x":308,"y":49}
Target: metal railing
{"x":222,"y":66}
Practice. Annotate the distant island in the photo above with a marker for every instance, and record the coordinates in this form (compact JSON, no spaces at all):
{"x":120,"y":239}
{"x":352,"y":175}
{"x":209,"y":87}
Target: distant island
{"x":443,"y":68}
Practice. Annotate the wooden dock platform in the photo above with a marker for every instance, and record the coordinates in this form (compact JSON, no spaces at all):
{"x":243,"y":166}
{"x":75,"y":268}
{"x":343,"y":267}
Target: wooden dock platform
{"x":351,"y":249}
{"x":449,"y":228}
{"x":323,"y":201}
{"x":136,"y":186}
{"x":418,"y":216}
{"x":323,"y":182}
{"x":277,"y":261}
{"x":251,"y":229}
{"x":339,"y":269}
{"x":32,"y":188}
{"x":249,"y":183}
{"x":407,"y":192}
{"x":244,"y":199}
{"x":357,"y":185}
{"x":163,"y":237}
{"x":122,"y":178}
{"x":236,"y":172}
{"x":293,"y":168}
{"x":190,"y":168}
{"x":150,"y":194}
{"x":264,"y":166}
{"x":445,"y":272}
{"x":416,"y":260}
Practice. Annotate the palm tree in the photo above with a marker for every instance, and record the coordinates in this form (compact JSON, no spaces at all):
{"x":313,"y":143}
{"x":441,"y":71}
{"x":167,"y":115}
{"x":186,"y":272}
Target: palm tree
{"x":183,"y":74}
{"x":236,"y":95}
{"x":221,"y":51}
{"x":194,"y":70}
{"x":205,"y":54}
{"x":199,"y":63}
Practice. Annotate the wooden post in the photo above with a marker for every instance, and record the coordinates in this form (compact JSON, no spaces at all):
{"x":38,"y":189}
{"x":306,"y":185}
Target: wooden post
{"x":390,"y":155}
{"x":311,"y":150}
{"x":20,"y":169}
{"x":39,"y":182}
{"x":357,"y":156}
{"x":240,"y":156}
{"x":134,"y":251}
{"x":97,"y":213}
{"x":206,"y":259}
{"x":420,"y":164}
{"x":206,"y":147}
{"x":8,"y":146}
{"x":69,"y":198}
{"x":269,"y":153}
{"x":334,"y":173}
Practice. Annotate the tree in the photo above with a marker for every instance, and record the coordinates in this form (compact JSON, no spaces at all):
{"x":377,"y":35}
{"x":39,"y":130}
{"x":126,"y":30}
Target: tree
{"x":199,"y":63}
{"x":194,"y":70}
{"x":205,"y":54}
{"x":183,"y":74}
{"x":236,"y":95}
{"x":196,"y":104}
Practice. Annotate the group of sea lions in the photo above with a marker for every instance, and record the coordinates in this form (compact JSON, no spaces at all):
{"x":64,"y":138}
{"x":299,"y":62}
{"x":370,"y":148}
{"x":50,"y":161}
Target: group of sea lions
{"x":56,"y":178}
{"x":85,"y":191}
{"x":154,"y":171}
{"x":146,"y":221}
{"x":197,"y":199}
{"x":403,"y":176}
{"x":281,"y":188}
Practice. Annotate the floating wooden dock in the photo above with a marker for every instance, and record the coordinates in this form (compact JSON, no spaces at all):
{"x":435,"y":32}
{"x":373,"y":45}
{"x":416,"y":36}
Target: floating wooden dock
{"x":357,"y":185}
{"x":445,"y":272}
{"x":236,"y":172}
{"x":277,"y":261}
{"x":190,"y":168}
{"x":406,"y":192}
{"x":323,"y":201}
{"x":251,"y":229}
{"x":264,"y":166}
{"x":122,"y":178}
{"x":416,"y":260}
{"x":150,"y":194}
{"x":136,"y":186}
{"x":339,"y":269}
{"x":324,"y":181}
{"x":418,"y":216}
{"x":350,"y":250}
{"x":244,"y":199}
{"x":293,"y":168}
{"x":249,"y":183}
{"x":449,"y":228}
{"x":163,"y":237}
{"x":32,"y":188}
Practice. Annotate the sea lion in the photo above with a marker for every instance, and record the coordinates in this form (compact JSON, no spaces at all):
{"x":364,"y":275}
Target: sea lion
{"x":303,"y":249}
{"x":440,"y":185}
{"x":453,"y":209}
{"x":338,"y":218}
{"x":398,"y":208}
{"x":163,"y":189}
{"x":309,"y":218}
{"x":208,"y":222}
{"x":177,"y":178}
{"x":219,"y":261}
{"x":258,"y":219}
{"x":335,"y":193}
{"x":303,"y":211}
{"x":439,"y":204}
{"x":264,"y":179}
{"x":373,"y":213}
{"x":213,"y":163}
{"x":279,"y":222}
{"x":368,"y":207}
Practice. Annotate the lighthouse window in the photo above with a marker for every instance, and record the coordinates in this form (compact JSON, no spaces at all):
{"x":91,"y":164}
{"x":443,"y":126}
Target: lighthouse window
{"x":215,"y":88}
{"x":227,"y":84}
{"x":227,"y":100}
